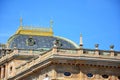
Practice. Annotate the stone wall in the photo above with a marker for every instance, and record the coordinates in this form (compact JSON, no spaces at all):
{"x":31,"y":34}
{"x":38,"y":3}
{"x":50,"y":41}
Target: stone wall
{"x":67,"y":71}
{"x":40,"y":74}
{"x":99,"y":73}
{"x":74,"y":72}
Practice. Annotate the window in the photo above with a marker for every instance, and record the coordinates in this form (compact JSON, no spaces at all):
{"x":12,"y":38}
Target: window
{"x":30,"y":42}
{"x":89,"y":74}
{"x":105,"y":76}
{"x":10,"y":68}
{"x":67,"y":73}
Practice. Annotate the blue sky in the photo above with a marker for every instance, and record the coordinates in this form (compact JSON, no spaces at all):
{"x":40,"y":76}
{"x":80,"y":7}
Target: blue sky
{"x":97,"y":20}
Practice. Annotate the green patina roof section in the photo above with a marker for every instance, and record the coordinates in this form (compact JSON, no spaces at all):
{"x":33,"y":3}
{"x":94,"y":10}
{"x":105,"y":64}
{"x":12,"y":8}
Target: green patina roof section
{"x":11,"y":38}
{"x":68,"y":40}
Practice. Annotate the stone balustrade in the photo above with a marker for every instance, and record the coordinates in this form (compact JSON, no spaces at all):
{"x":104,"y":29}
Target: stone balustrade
{"x":33,"y":62}
{"x":89,"y":52}
{"x":101,"y":53}
{"x":6,"y":56}
{"x":59,"y":51}
{"x":37,"y":28}
{"x":67,"y":52}
{"x":30,"y":51}
{"x":14,"y":52}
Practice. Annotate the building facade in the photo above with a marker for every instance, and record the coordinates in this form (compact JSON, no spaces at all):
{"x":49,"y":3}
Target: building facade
{"x":34,"y":53}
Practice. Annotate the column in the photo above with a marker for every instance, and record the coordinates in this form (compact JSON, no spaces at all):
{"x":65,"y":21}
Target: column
{"x":6,"y":70}
{"x":2,"y":72}
{"x":54,"y":73}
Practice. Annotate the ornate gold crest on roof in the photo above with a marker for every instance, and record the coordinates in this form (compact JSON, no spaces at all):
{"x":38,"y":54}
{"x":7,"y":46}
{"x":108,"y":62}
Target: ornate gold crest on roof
{"x":39,"y":31}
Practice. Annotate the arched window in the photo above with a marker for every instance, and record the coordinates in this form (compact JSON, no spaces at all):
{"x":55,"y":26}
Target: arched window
{"x":10,"y":68}
{"x":89,"y":75}
{"x":67,"y":73}
{"x":105,"y":76}
{"x":30,"y":41}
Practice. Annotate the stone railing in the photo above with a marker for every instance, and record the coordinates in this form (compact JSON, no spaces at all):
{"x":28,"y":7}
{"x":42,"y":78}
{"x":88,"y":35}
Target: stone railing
{"x":70,"y":51}
{"x":101,"y":53}
{"x":33,"y":62}
{"x":37,"y":28}
{"x":7,"y":55}
{"x":10,"y":54}
{"x":30,"y":51}
{"x":66,"y":52}
{"x":88,"y":52}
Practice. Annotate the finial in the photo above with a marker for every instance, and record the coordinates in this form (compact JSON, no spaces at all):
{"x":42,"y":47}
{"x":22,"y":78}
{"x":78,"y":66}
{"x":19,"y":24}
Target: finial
{"x":111,"y":47}
{"x":15,"y":46}
{"x":81,"y":42}
{"x":21,"y":22}
{"x":57,"y":43}
{"x":51,"y":23}
{"x":96,"y":46}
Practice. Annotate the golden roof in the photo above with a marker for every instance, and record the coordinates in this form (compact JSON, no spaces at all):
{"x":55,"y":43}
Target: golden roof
{"x":39,"y":31}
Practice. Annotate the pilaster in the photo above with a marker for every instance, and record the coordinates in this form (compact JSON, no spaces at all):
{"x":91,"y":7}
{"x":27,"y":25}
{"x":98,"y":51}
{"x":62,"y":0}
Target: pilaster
{"x":54,"y":74}
{"x":54,"y":50}
{"x":112,"y":53}
{"x":97,"y":52}
{"x":111,"y":50}
{"x":80,"y":51}
{"x":80,"y":76}
{"x":96,"y":49}
{"x":2,"y":72}
{"x":6,"y":71}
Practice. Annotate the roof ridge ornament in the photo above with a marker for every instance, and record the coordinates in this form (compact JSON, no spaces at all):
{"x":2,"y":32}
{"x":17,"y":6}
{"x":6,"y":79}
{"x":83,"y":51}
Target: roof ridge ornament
{"x":51,"y":23}
{"x":40,"y":31}
{"x":57,"y":43}
{"x":111,"y":47}
{"x":21,"y":21}
{"x":96,"y":46}
{"x":81,"y":41}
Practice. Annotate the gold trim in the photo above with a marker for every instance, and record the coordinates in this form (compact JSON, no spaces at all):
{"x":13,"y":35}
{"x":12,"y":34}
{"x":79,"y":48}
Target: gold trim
{"x":35,"y":31}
